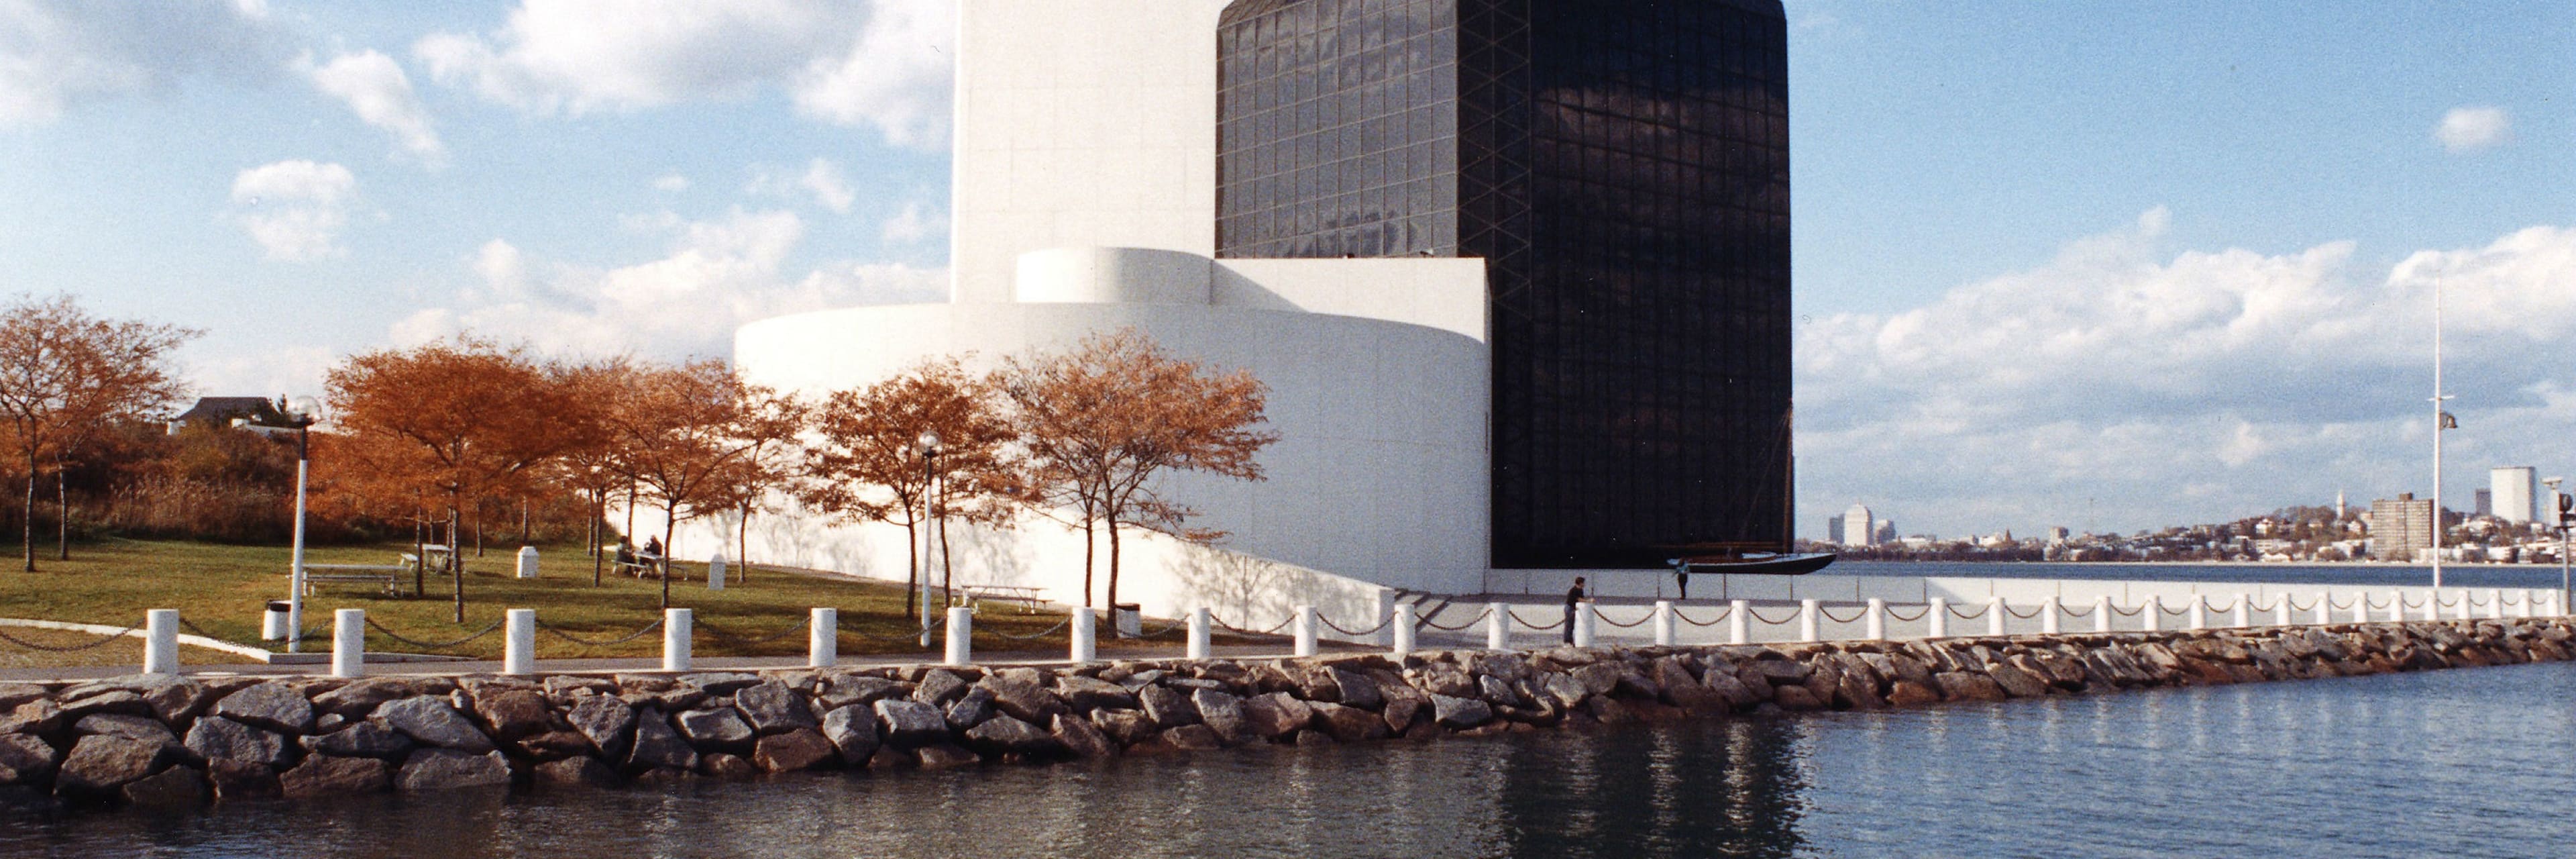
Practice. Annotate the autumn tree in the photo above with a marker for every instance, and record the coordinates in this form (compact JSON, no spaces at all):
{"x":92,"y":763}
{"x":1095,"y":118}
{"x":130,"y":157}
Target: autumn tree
{"x":678,"y":437}
{"x":767,"y":423}
{"x":1097,"y":424}
{"x":454,"y":421}
{"x":590,"y":393}
{"x":64,"y":374}
{"x":867,"y":464}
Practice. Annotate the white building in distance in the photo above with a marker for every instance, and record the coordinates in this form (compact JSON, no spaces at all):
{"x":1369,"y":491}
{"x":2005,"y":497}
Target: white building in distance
{"x":1859,"y":528}
{"x":2513,"y":492}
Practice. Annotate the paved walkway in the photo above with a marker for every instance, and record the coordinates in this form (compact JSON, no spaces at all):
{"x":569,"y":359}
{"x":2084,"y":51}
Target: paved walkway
{"x":705,"y":663}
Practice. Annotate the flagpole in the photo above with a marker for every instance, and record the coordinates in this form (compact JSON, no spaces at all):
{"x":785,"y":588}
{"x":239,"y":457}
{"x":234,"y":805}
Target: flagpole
{"x":2440,"y":418}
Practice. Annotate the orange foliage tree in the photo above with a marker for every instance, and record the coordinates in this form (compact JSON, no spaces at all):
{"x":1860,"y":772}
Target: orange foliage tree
{"x":866,"y":463}
{"x":678,"y":438}
{"x":766,"y":423}
{"x":1097,"y":423}
{"x":455,"y":421}
{"x":64,"y":375}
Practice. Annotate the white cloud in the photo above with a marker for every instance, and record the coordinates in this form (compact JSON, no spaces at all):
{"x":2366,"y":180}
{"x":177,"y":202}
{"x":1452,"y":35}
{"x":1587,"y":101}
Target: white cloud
{"x":381,"y":95}
{"x":881,"y":64}
{"x":55,"y":54}
{"x":294,"y":209}
{"x":718,"y":274}
{"x":671,"y":183}
{"x":2468,"y":129}
{"x":913,"y":224}
{"x":894,"y":77}
{"x":2195,"y":386}
{"x":823,"y":178}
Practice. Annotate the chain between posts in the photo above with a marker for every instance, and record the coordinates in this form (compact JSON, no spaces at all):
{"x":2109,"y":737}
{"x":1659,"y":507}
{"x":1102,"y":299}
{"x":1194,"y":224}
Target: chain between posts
{"x":1919,"y":614}
{"x":1639,"y":622}
{"x":1757,"y":615}
{"x":2134,"y":612}
{"x":1479,"y":618}
{"x":1516,"y":618}
{"x":1283,"y":624}
{"x":1328,"y":622}
{"x":1720,"y":618}
{"x":603,"y":642}
{"x":908,"y":636}
{"x":102,"y":641}
{"x":1955,"y":612}
{"x":2033,"y":613}
{"x":739,"y":640}
{"x":193,"y":629}
{"x":1829,"y":615}
{"x":425,"y":645}
{"x":1038,"y":634}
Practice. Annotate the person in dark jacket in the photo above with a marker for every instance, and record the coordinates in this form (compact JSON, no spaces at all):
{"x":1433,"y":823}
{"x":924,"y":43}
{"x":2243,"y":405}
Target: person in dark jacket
{"x":1573,"y":597}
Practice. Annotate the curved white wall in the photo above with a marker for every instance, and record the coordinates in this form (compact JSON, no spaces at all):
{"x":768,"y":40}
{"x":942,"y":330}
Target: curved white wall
{"x":1112,"y":275}
{"x":1379,"y":473}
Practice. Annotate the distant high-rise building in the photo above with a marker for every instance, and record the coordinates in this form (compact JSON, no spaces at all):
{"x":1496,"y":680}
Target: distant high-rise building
{"x":1834,"y":529}
{"x":2339,"y":506}
{"x":2514,"y":488}
{"x":1884,"y":533}
{"x":2057,"y":534}
{"x":2485,"y":500}
{"x":2400,"y":527}
{"x":1859,"y":527}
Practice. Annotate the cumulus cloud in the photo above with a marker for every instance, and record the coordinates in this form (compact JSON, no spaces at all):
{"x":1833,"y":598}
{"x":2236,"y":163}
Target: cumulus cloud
{"x":718,"y":274}
{"x":294,"y":209}
{"x":381,"y":95}
{"x":879,"y":64}
{"x":55,"y":54}
{"x":671,"y":183}
{"x":2468,"y":129}
{"x":2180,"y":385}
{"x":820,"y":180}
{"x":913,"y":224}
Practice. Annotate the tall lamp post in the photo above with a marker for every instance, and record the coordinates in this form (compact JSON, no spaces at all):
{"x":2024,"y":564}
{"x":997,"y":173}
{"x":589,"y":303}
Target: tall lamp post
{"x":2442,"y":420}
{"x":2558,"y":508}
{"x":928,"y":444}
{"x":301,"y":414}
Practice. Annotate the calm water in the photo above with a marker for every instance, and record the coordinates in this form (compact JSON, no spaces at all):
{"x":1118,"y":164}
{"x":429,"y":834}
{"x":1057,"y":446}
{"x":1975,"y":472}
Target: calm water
{"x":2468,"y":762}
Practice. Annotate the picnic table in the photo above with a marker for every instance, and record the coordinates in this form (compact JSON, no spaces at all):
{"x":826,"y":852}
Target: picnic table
{"x":1025,"y":596}
{"x":382,"y":575}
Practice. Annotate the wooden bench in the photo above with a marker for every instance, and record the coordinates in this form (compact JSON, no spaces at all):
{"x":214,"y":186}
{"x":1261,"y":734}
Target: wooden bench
{"x":1025,"y":596}
{"x":382,"y":575}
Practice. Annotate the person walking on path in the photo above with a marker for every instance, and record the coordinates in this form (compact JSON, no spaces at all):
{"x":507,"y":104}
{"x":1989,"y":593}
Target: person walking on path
{"x":1573,"y":597}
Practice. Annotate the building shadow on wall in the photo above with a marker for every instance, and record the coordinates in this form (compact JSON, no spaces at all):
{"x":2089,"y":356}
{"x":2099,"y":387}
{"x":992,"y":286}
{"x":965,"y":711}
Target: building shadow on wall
{"x":1256,"y":594}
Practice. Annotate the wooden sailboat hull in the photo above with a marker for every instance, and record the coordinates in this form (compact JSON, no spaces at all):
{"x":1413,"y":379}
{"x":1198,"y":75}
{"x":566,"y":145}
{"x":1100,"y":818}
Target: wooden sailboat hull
{"x":1774,"y":565}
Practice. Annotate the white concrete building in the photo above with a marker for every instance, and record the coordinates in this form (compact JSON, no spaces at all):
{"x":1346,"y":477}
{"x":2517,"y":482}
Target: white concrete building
{"x":2514,"y":493}
{"x":1859,"y":529}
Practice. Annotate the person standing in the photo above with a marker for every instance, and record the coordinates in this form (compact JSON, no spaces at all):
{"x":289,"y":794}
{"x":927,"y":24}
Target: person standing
{"x":1573,"y":598}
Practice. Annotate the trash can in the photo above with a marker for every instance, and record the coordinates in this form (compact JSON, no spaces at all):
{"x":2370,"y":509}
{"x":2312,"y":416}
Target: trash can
{"x":272,"y":624}
{"x":1127,"y":619}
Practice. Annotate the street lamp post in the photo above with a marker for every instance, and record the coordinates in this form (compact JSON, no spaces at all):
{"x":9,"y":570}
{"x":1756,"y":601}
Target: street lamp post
{"x":928,"y":444}
{"x":301,"y":415}
{"x":2557,"y":509}
{"x":2441,"y":420}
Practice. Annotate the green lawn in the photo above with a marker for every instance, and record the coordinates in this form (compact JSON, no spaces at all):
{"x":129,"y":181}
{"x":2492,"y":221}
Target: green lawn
{"x":223,"y":590}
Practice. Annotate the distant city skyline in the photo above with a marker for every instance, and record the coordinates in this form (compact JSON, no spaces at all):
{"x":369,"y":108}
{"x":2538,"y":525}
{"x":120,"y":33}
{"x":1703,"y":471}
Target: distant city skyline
{"x":2173,"y":258}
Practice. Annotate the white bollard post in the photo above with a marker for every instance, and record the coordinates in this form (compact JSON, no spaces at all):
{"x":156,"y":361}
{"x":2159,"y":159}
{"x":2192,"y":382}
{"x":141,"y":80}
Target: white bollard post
{"x":1995,"y":616}
{"x":349,"y":643}
{"x":1936,"y":618}
{"x":1664,"y":623}
{"x":2523,"y":608}
{"x":2495,"y":604}
{"x":519,"y":627}
{"x":2152,"y":614}
{"x":161,"y":641}
{"x":1306,"y":631}
{"x":2433,"y":604}
{"x":2242,"y":604}
{"x":822,"y":637}
{"x":2049,"y":609}
{"x":1739,"y":630}
{"x":2102,"y":613}
{"x":961,"y":635}
{"x":1498,"y":626}
{"x":2281,"y":609}
{"x":1401,"y":629}
{"x":1082,"y":636}
{"x":1583,"y":615}
{"x":527,"y":562}
{"x":675,"y":638}
{"x":1386,"y":609}
{"x":1876,"y":628}
{"x":1198,"y":633}
{"x":1807,"y":620}
{"x":2324,"y":611}
{"x":2198,"y":614}
{"x":2396,"y":606}
{"x":716,"y":572}
{"x":2361,"y":608}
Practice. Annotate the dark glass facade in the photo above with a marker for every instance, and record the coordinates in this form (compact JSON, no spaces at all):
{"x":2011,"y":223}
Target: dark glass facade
{"x":1623,"y":168}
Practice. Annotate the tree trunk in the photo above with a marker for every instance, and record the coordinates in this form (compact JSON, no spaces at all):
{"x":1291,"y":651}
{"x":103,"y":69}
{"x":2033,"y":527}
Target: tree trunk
{"x":478,"y":528}
{"x":1087,"y":542}
{"x":29,"y":526}
{"x":456,"y":563}
{"x":912,"y":566}
{"x":523,"y":521}
{"x":1111,"y":521}
{"x":62,"y":516}
{"x":742,"y":545}
{"x":947,"y":573}
{"x":598,"y":523}
{"x":419,"y":551}
{"x":670,"y":518}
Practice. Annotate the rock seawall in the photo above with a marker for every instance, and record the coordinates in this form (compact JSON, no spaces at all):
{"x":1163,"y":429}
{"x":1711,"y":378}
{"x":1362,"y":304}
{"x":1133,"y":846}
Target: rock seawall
{"x":162,"y":740}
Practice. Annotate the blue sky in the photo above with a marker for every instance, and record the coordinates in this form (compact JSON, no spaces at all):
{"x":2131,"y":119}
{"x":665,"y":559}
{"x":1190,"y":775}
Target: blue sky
{"x":2176,"y":257}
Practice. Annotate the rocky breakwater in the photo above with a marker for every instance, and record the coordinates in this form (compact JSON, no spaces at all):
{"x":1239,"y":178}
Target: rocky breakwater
{"x":170,"y":740}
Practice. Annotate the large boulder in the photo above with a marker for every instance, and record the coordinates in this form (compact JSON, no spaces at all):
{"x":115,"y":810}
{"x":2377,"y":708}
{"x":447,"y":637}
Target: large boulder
{"x":1022,"y":698}
{"x":27,"y":759}
{"x":853,"y":731}
{"x":237,"y":780}
{"x":143,"y":728}
{"x":582,"y":770}
{"x":327,"y":775}
{"x":2017,"y":682}
{"x":1349,"y":724}
{"x":1128,"y":727}
{"x":514,"y":713}
{"x":720,"y":682}
{"x":796,"y":749}
{"x":772,"y":708}
{"x":99,"y":764}
{"x":607,"y":720}
{"x":1167,"y":706}
{"x":846,"y":690}
{"x":1085,"y":694}
{"x":1444,"y":678}
{"x":1004,"y":734}
{"x":176,"y":787}
{"x":912,"y":723}
{"x":448,"y":769}
{"x":719,"y":728}
{"x":657,"y":746}
{"x":1081,"y":738}
{"x":429,"y":720}
{"x":218,"y":738}
{"x":362,"y":697}
{"x":1355,"y":689}
{"x":938,"y":686}
{"x":1964,"y":686}
{"x":368,"y":739}
{"x":1458,"y":714}
{"x":268,"y":705}
{"x":970,"y":709}
{"x":1223,"y":713}
{"x":1266,"y":717}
